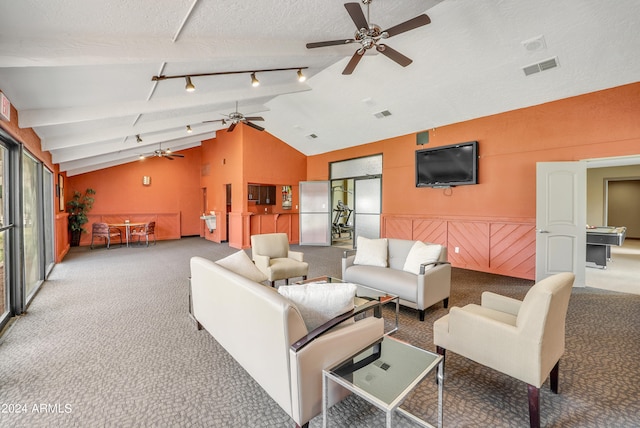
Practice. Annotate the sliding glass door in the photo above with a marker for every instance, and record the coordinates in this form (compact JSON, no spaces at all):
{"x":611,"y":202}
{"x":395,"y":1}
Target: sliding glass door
{"x":5,"y":228}
{"x":31,"y":224}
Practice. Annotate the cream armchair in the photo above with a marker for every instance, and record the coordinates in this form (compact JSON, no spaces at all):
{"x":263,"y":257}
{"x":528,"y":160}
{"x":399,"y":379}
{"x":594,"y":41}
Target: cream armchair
{"x":522,"y":339}
{"x":270,"y":253}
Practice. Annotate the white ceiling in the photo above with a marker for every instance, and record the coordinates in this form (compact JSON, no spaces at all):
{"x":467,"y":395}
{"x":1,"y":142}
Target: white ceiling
{"x":79,"y":71}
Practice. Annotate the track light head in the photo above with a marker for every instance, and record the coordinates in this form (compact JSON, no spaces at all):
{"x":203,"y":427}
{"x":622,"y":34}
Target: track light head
{"x":189,"y":86}
{"x":189,"y":130}
{"x":138,"y":139}
{"x":254,"y":80}
{"x":301,"y":77}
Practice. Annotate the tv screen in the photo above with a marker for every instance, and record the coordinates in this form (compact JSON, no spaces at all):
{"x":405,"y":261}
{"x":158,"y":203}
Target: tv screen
{"x":454,"y":165}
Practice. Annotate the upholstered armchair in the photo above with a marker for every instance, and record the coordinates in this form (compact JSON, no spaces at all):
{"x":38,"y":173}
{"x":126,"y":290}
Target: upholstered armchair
{"x":522,"y":339}
{"x":270,"y":253}
{"x":102,"y":230}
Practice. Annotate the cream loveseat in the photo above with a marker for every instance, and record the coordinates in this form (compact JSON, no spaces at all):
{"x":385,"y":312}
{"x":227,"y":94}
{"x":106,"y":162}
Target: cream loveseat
{"x":266,"y":334}
{"x":417,"y":272}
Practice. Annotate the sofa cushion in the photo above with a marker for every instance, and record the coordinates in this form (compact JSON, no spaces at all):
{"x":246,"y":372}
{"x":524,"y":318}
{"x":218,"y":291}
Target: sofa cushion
{"x":371,"y":252}
{"x":397,"y":282}
{"x":421,"y":253}
{"x":241,"y":264}
{"x":320,"y":302}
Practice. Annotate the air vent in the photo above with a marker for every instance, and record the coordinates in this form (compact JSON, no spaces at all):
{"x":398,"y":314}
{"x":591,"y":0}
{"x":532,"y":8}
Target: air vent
{"x":382,"y":114}
{"x":541,"y":66}
{"x":312,"y":136}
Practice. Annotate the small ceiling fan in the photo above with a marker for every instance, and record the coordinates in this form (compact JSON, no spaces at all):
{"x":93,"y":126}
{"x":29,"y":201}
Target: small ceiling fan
{"x":237,"y":117}
{"x":369,"y":36}
{"x":167,"y":154}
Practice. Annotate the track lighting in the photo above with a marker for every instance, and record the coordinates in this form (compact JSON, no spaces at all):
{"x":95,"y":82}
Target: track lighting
{"x":189,"y":130}
{"x":189,"y":87}
{"x":254,"y":80}
{"x":138,"y":139}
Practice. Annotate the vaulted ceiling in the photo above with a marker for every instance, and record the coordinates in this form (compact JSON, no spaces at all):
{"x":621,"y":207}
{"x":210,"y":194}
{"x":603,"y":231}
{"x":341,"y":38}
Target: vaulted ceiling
{"x":80,"y":71}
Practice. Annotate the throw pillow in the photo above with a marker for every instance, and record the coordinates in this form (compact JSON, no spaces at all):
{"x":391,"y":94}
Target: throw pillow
{"x":371,"y":252}
{"x":320,"y":302}
{"x":241,"y":264}
{"x":421,"y":253}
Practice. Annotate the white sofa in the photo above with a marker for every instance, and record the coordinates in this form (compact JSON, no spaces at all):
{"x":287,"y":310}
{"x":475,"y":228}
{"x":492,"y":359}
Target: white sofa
{"x":265,"y":333}
{"x":431,"y":284}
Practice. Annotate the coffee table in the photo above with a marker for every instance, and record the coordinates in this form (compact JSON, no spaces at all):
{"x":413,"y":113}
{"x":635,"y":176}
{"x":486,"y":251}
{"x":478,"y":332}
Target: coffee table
{"x":384,"y":374}
{"x":364,"y":295}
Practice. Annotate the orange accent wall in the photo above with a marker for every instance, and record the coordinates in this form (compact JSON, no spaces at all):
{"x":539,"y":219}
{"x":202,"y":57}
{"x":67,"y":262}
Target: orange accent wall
{"x":241,"y":157}
{"x":174,"y":194}
{"x":600,"y":124}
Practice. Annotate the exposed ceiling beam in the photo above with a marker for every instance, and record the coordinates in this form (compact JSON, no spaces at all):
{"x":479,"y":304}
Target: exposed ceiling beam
{"x":47,"y":117}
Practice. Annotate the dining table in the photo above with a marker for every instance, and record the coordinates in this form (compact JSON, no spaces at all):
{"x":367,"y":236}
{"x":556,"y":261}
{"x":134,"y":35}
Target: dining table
{"x":127,"y":225}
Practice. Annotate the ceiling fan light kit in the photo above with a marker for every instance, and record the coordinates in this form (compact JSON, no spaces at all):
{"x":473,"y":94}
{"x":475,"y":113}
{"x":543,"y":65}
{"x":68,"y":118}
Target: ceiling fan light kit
{"x":166,"y":153}
{"x":369,"y":35}
{"x":237,"y":117}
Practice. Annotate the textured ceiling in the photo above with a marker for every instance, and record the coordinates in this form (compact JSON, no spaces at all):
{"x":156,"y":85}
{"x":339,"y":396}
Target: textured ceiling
{"x":79,"y":71}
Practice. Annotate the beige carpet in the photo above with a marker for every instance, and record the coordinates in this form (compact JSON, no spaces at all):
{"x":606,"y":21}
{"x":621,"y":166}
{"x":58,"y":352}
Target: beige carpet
{"x":107,"y":342}
{"x":623,"y":271}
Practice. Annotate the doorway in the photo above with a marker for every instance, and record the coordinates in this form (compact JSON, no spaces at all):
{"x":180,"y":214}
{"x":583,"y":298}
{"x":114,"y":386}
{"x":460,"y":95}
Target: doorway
{"x":342,"y":203}
{"x":613,"y":192}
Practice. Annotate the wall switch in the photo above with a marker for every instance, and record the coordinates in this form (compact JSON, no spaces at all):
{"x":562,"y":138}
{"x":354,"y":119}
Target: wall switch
{"x":456,"y":250}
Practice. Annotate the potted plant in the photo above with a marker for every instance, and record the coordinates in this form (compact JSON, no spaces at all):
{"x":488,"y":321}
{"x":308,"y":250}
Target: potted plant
{"x":78,"y":207}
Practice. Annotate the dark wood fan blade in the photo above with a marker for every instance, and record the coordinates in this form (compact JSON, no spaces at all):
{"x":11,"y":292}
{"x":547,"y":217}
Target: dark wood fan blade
{"x":416,"y":22}
{"x":329,"y":43}
{"x":233,"y":125}
{"x":217,"y":120}
{"x":254,"y":126}
{"x":355,"y":59}
{"x":168,"y":157}
{"x":176,"y":155}
{"x":394,"y":55}
{"x":258,"y":118}
{"x":356,"y":14}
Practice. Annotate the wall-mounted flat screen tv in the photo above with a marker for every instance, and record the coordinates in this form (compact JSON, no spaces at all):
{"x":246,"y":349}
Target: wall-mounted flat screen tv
{"x":444,"y":166}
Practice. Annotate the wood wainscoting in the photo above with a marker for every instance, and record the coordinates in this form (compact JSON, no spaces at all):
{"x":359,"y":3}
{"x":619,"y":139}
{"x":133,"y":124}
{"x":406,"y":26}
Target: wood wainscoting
{"x":500,"y":246}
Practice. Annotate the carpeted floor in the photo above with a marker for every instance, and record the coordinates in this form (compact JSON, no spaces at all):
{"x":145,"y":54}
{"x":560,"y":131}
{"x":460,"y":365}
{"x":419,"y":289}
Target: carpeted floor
{"x":107,"y":342}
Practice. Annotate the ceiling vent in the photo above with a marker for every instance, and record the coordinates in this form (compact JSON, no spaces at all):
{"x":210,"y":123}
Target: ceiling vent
{"x":541,"y":66}
{"x":382,"y":114}
{"x":312,"y":136}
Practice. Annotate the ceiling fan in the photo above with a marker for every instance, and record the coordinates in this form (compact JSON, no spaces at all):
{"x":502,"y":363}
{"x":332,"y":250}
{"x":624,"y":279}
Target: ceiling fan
{"x":167,"y":154}
{"x":369,"y":35}
{"x":236,"y":117}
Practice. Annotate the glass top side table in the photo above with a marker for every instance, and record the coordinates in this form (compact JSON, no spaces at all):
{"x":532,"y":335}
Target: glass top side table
{"x":384,"y":374}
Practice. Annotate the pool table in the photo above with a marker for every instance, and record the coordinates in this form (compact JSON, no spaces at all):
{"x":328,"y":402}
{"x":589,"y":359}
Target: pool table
{"x":599,"y":242}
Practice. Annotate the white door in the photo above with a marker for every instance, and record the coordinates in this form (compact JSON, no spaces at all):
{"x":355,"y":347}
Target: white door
{"x":368,"y":206}
{"x":561,"y":219}
{"x":315,"y":213}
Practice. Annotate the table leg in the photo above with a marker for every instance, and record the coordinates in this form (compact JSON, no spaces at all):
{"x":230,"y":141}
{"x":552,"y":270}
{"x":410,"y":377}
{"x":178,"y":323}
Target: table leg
{"x":325,"y":399}
{"x":440,"y":383}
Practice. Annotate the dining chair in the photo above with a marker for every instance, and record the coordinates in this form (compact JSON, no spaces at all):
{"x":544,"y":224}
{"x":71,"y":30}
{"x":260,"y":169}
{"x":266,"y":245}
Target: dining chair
{"x":146,"y":230}
{"x":103,"y":230}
